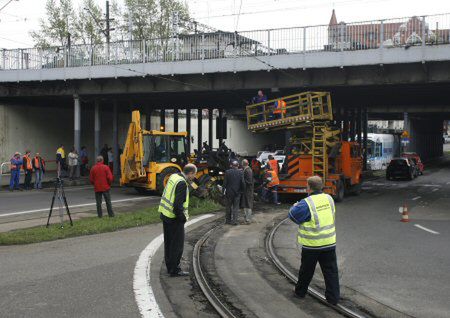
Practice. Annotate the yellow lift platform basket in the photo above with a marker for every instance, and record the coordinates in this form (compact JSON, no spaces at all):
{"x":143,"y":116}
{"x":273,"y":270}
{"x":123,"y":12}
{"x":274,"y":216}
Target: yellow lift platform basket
{"x":299,"y":110}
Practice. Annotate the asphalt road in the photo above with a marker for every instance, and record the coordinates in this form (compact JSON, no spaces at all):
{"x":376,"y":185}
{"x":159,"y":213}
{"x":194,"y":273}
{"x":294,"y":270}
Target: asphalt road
{"x":402,"y":265}
{"x":26,"y":204}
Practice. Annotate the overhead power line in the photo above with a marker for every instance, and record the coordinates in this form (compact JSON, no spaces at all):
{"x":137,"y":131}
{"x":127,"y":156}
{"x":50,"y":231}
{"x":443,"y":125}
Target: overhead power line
{"x":4,"y":6}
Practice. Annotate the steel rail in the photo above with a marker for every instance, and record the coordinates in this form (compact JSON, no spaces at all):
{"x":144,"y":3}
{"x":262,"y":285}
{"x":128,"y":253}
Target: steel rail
{"x":202,"y":281}
{"x":347,"y":312}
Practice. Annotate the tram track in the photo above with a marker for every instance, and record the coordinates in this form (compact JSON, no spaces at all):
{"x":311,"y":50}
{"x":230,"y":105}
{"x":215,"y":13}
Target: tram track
{"x":270,"y":249}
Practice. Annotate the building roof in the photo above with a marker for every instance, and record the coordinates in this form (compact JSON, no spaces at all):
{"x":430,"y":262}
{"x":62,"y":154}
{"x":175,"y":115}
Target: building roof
{"x":333,"y":19}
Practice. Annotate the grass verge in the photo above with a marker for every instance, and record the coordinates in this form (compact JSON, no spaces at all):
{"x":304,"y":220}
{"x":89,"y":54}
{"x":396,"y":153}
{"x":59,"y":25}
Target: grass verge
{"x":94,"y":225}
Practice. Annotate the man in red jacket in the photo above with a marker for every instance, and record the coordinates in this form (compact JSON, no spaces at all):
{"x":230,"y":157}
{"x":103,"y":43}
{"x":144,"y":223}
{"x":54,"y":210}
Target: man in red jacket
{"x":101,"y":177}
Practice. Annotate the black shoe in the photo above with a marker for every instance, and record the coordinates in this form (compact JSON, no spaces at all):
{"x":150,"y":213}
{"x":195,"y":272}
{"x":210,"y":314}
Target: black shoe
{"x":179,"y":274}
{"x":332,"y":302}
{"x":298,"y":295}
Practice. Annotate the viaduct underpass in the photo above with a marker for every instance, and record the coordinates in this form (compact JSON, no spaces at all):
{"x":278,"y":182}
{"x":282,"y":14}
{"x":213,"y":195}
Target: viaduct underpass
{"x":92,"y":98}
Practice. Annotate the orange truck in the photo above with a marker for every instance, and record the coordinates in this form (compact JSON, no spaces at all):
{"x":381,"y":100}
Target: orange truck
{"x":315,"y":146}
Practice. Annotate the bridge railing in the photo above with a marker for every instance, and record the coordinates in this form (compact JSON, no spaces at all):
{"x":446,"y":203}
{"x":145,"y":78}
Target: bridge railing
{"x":401,"y":32}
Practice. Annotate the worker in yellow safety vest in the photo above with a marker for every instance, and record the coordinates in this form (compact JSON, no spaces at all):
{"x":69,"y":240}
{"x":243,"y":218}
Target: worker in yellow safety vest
{"x":60,"y":160}
{"x":173,"y":210}
{"x":315,"y":216}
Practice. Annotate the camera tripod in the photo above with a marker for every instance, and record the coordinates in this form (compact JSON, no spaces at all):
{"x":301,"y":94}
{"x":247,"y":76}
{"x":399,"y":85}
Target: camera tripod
{"x":59,"y":194}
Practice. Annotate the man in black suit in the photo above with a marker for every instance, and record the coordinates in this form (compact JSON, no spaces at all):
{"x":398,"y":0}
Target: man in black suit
{"x":233,"y":185}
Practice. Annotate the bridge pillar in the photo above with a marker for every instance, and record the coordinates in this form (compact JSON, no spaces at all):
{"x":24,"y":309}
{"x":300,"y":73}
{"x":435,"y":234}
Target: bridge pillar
{"x":115,"y":124}
{"x":365,"y":118}
{"x":352,"y":125}
{"x":358,"y":126}
{"x":77,"y":122}
{"x":97,"y":127}
{"x":188,"y":129}
{"x":210,"y":127}
{"x":220,"y":128}
{"x":148,"y":117}
{"x":425,"y":136}
{"x":175,"y":120}
{"x":345,"y":125}
{"x":162,"y":120}
{"x":199,"y":131}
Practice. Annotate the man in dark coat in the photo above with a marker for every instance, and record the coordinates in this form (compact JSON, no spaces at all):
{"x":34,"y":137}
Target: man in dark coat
{"x":247,"y":197}
{"x":233,"y":186}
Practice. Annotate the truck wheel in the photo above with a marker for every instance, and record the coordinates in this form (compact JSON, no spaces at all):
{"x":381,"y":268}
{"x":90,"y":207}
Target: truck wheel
{"x":163,"y":177}
{"x":340,"y":190}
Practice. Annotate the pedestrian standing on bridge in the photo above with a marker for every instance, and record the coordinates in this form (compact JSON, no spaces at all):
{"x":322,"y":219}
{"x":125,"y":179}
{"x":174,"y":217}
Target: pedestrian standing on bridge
{"x":102,"y":178}
{"x":233,"y":185}
{"x":315,"y":216}
{"x":174,"y":209}
{"x":28,"y":169}
{"x":16,"y":164}
{"x":39,"y":170}
{"x":247,"y":197}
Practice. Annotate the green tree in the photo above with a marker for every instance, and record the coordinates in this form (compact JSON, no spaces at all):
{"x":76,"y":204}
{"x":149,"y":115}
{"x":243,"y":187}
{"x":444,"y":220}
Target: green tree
{"x":89,"y":25}
{"x":55,"y":27}
{"x":153,"y":18}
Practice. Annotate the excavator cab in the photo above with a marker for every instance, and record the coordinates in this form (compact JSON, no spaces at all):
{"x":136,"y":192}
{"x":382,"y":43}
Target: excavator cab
{"x":161,"y":148}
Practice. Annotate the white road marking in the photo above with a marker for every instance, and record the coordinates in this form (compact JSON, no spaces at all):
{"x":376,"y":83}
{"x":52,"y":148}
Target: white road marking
{"x":431,"y":185}
{"x":434,"y":190}
{"x":143,"y":291}
{"x":448,"y":182}
{"x":72,"y":206}
{"x":414,"y":199}
{"x":425,"y":229}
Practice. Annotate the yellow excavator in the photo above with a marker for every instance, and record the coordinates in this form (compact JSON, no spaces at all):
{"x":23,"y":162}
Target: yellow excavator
{"x":150,"y":156}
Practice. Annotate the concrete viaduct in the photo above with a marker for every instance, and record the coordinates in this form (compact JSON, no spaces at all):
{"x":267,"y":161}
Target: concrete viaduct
{"x":386,"y":79}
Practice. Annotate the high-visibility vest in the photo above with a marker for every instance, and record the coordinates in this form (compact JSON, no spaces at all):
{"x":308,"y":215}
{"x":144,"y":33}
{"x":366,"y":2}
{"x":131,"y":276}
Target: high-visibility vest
{"x":274,"y":179}
{"x":280,"y":107}
{"x":274,"y":165}
{"x":320,"y":230}
{"x":61,"y":152}
{"x":27,"y":163}
{"x":37,"y":163}
{"x":168,"y":197}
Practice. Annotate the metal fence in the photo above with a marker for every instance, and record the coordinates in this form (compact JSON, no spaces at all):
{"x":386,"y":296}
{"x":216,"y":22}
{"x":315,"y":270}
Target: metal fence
{"x":401,"y":32}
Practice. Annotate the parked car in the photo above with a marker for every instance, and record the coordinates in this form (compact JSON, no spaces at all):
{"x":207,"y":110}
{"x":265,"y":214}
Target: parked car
{"x":402,"y":168}
{"x":416,"y":159}
{"x":446,"y":139}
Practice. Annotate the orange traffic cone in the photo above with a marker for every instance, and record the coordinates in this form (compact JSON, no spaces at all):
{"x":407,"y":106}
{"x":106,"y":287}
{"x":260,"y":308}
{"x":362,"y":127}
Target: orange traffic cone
{"x":405,"y":214}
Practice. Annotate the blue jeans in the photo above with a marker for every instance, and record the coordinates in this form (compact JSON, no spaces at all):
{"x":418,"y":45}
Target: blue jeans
{"x":15,"y":179}
{"x":271,"y":194}
{"x":39,"y":177}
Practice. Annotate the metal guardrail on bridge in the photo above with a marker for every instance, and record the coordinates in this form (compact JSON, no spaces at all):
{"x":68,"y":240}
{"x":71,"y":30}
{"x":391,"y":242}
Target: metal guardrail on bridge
{"x":401,"y":32}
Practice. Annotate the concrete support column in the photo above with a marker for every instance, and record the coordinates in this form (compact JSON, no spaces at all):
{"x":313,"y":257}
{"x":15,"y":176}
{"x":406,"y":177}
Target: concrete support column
{"x":162,"y":120}
{"x":345,"y":125}
{"x":97,"y":127}
{"x":365,"y":126}
{"x":148,"y":118}
{"x":115,"y":125}
{"x":188,"y":129}
{"x":210,"y":127}
{"x":199,"y":130}
{"x":358,"y":126}
{"x":77,"y":123}
{"x":220,"y":126}
{"x":175,"y":120}
{"x":352,"y":125}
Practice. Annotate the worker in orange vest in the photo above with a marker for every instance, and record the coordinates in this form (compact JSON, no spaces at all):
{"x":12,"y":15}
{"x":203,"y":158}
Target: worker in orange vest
{"x":273,"y":163}
{"x":28,"y":169}
{"x":271,"y":182}
{"x":39,"y":170}
{"x":280,"y":109}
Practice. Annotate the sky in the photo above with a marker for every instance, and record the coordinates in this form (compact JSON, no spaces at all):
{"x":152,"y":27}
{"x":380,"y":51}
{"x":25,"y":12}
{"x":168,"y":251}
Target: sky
{"x":21,"y":16}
